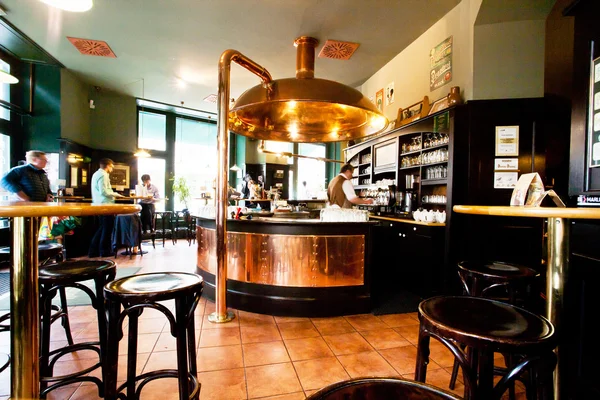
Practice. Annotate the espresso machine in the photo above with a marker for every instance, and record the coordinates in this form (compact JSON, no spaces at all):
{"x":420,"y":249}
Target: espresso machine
{"x":409,"y":196}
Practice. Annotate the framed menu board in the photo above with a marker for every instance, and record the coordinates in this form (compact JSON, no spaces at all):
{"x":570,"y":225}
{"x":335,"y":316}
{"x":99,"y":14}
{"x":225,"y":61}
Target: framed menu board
{"x":594,"y":116}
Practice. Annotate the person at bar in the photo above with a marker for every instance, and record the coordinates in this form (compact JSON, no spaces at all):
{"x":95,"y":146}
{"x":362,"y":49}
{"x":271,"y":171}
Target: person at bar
{"x":29,"y":182}
{"x":148,"y":207}
{"x":340,"y":191}
{"x":102,"y":193}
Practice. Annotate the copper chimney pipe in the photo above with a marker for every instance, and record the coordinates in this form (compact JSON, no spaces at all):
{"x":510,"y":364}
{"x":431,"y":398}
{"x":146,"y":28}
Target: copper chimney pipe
{"x":305,"y":57}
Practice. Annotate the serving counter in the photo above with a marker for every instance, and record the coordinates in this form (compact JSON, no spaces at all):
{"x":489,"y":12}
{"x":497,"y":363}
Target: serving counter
{"x":292,"y":267}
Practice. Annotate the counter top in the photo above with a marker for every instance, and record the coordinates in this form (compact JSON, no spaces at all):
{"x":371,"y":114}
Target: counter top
{"x":524,"y":211}
{"x":288,"y":221}
{"x":406,"y":221}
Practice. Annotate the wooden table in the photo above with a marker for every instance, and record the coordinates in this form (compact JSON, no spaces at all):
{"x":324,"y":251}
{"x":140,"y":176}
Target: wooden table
{"x":558,"y":256}
{"x":24,"y":296}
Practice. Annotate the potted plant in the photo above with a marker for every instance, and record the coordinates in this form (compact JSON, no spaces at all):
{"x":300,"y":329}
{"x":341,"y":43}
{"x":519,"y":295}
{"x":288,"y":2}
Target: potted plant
{"x":182,"y":190}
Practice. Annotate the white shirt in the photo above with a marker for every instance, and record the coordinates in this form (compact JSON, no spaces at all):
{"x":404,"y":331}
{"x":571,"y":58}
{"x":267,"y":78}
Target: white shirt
{"x":348,"y":189}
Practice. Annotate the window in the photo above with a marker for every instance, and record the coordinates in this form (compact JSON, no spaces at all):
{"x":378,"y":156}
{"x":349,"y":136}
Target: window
{"x":152,"y":134}
{"x":4,"y":162}
{"x":195,"y":157}
{"x":310,"y":171}
{"x":52,"y":170}
{"x":5,"y":91}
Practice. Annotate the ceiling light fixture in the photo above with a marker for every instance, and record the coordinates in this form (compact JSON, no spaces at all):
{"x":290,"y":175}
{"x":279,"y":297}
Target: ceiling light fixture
{"x":141,"y":153}
{"x":235,"y":168}
{"x":70,"y":5}
{"x":5,"y":77}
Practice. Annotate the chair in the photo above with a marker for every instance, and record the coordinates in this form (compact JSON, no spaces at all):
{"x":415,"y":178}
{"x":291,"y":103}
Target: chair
{"x":134,"y":294}
{"x":381,"y":388}
{"x":486,"y":327}
{"x":54,"y":278}
{"x":164,"y":223}
{"x":187,"y":225}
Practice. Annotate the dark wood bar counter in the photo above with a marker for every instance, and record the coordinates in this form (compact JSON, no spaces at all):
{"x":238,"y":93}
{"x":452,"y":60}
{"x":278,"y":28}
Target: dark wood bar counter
{"x":289,"y":267}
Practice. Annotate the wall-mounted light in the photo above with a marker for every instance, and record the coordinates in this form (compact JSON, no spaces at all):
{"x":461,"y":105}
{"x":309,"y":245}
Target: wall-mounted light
{"x":70,"y":5}
{"x":73,"y":158}
{"x":261,"y":149}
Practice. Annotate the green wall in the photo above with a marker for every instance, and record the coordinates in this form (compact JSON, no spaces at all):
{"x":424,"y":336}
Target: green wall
{"x":113,"y":123}
{"x":42,"y":128}
{"x":75,"y":109}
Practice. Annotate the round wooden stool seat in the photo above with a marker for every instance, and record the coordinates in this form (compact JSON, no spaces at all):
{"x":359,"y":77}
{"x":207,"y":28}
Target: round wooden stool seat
{"x":153,"y":286}
{"x":79,"y":270}
{"x":381,"y":388}
{"x":486,"y":326}
{"x":46,"y":251}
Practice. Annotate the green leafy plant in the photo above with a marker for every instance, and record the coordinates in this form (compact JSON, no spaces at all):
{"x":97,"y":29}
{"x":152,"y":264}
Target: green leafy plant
{"x":181,"y":189}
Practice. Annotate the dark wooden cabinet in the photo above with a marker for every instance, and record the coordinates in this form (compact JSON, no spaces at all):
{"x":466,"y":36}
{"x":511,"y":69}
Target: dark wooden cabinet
{"x":409,"y":257}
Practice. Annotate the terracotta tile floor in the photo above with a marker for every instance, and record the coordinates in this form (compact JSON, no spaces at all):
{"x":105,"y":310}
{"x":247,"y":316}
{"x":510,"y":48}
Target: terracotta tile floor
{"x":254,"y":356}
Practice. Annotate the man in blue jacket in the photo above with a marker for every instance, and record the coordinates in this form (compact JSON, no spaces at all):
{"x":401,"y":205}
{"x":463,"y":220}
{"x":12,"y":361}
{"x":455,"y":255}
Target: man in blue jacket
{"x":29,"y":182}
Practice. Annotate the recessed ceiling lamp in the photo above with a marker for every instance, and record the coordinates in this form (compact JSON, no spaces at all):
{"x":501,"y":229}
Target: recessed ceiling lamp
{"x":141,"y":153}
{"x":70,"y":5}
{"x":5,"y":77}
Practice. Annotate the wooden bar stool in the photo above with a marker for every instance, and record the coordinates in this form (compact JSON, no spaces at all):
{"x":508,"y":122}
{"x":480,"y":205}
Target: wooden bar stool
{"x":55,"y":278}
{"x":480,"y":278}
{"x":47,"y":253}
{"x":486,"y":327}
{"x":136,"y":293}
{"x":485,"y":278}
{"x":381,"y":388}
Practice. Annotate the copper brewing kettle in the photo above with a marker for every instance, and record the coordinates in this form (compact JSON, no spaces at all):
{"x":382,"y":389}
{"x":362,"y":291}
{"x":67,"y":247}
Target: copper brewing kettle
{"x":304,"y":108}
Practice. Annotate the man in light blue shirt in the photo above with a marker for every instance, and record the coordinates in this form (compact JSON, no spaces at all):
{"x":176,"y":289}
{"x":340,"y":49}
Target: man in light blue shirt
{"x":102,"y":193}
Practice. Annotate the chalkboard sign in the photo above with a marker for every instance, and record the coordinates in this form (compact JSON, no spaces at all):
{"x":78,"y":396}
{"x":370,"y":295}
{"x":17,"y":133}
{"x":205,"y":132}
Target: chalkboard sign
{"x":119,"y":177}
{"x":594,"y":115}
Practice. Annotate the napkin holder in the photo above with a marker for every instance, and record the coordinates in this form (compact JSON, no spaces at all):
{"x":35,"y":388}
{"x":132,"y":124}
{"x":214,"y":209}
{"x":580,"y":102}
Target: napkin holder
{"x":529,"y":191}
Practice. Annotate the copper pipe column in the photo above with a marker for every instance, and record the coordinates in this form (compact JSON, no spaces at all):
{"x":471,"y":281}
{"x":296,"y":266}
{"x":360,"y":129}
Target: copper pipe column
{"x":221,"y":314}
{"x":556,"y":276}
{"x":24,"y":311}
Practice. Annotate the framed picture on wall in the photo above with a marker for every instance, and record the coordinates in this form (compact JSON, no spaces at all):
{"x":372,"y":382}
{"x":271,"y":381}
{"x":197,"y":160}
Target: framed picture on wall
{"x":119,"y":178}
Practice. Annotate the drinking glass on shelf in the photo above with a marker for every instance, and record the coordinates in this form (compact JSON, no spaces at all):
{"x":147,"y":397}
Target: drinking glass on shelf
{"x":427,"y":142}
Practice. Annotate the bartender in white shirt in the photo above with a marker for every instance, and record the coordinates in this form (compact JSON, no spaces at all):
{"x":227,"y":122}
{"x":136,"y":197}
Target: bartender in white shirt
{"x":148,"y":208}
{"x":340,"y":191}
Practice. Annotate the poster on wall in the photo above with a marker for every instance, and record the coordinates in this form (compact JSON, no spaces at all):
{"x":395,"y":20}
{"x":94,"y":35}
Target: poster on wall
{"x":594,"y":125}
{"x":440,"y":60}
{"x":119,"y":177}
{"x":379,"y":100}
{"x":389,"y":94}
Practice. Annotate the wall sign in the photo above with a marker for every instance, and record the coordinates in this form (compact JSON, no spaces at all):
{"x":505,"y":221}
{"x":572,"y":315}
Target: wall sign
{"x":505,"y":180}
{"x":440,"y":61}
{"x":506,"y":164}
{"x":379,"y":100}
{"x":507,"y":141}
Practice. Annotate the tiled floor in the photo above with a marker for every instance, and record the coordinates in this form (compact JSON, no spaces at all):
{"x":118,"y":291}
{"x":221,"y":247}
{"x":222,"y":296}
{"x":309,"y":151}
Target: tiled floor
{"x":254,"y":356}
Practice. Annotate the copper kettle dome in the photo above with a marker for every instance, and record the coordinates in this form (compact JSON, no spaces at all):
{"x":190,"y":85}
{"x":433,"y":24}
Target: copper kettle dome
{"x":305,"y":109}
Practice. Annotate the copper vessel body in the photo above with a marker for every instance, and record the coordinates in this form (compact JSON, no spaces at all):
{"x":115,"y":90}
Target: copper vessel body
{"x":287,"y":260}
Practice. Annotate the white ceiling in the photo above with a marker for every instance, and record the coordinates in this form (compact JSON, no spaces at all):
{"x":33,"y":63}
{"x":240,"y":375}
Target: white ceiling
{"x":160,"y":42}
